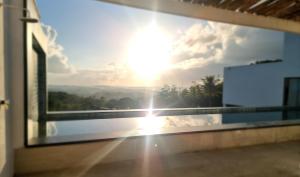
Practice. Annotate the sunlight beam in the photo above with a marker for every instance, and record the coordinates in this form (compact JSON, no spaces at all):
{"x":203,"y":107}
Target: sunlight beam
{"x":150,"y":124}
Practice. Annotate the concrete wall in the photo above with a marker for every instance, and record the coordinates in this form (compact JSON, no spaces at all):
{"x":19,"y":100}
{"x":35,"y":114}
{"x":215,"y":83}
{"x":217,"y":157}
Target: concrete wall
{"x":13,"y":44}
{"x":87,"y":155}
{"x":3,"y":136}
{"x":13,"y":52}
{"x":6,"y":155}
{"x":262,"y":84}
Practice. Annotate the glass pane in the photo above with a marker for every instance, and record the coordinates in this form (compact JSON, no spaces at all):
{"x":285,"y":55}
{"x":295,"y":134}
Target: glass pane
{"x":127,"y":58}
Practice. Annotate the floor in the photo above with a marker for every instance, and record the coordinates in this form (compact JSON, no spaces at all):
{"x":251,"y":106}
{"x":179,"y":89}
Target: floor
{"x":272,"y":160}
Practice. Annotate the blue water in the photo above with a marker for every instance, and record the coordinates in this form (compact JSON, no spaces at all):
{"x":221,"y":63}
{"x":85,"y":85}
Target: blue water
{"x":65,"y":128}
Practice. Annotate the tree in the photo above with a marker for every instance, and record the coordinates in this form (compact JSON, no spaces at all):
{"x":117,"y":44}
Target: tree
{"x":196,"y":96}
{"x":168,"y":96}
{"x":206,"y":93}
{"x":186,"y":98}
{"x":212,"y":90}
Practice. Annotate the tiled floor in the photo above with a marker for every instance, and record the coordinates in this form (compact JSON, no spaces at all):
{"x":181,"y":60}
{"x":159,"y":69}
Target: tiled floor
{"x":273,"y":160}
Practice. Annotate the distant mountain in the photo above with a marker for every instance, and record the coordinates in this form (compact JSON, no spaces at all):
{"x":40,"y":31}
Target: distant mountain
{"x":109,"y":92}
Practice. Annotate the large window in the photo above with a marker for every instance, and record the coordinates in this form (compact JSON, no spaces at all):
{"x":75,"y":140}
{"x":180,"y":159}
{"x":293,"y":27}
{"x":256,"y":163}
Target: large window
{"x":107,"y":61}
{"x":108,"y":57}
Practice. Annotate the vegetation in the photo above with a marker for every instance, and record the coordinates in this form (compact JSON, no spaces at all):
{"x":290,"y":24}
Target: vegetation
{"x":265,"y":61}
{"x":206,"y":93}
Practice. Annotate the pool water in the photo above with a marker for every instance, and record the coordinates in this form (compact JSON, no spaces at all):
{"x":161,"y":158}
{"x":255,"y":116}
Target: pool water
{"x":153,"y":124}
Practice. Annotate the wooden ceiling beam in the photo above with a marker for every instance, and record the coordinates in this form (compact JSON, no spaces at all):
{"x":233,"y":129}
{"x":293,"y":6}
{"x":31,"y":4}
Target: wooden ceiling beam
{"x":247,"y":4}
{"x":275,"y":7}
{"x":211,"y":13}
{"x":234,"y":5}
{"x":213,"y":2}
{"x":289,"y":11}
{"x":260,"y":7}
{"x":271,"y":6}
{"x":225,"y":3}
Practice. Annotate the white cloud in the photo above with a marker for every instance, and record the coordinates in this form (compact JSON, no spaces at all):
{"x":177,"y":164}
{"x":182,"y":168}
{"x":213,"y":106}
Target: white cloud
{"x":61,"y":71}
{"x":109,"y":74}
{"x":204,"y":43}
{"x":58,"y":62}
{"x":202,"y":49}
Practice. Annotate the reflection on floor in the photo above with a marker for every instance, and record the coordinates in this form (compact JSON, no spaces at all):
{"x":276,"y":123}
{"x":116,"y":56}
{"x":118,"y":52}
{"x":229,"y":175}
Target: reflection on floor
{"x":272,"y":160}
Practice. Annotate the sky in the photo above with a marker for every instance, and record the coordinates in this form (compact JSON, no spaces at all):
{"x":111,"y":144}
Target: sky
{"x":94,"y":43}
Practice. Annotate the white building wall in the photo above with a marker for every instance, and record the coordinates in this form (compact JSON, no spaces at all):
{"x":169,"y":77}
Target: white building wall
{"x":253,"y":85}
{"x":262,"y":84}
{"x":292,"y":53}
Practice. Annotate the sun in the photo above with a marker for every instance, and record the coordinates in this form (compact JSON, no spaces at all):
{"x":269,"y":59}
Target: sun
{"x":149,"y":53}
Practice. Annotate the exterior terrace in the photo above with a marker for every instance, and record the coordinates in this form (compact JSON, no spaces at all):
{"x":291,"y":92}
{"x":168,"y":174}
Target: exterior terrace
{"x":268,"y":160}
{"x":227,"y":141}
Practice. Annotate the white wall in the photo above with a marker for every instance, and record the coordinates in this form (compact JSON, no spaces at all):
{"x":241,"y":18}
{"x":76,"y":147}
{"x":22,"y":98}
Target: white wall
{"x":13,"y":44}
{"x":6,"y":155}
{"x":3,"y":137}
{"x":13,"y":55}
{"x":262,"y":84}
{"x":14,"y":52}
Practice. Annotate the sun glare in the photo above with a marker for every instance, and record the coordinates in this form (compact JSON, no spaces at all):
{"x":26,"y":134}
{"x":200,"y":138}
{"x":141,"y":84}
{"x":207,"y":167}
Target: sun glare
{"x":150,"y":124}
{"x":149,"y":53}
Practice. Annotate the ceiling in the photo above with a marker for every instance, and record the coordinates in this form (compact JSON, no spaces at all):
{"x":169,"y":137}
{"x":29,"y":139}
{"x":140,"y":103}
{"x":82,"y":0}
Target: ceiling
{"x":283,"y":9}
{"x":281,"y":15}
